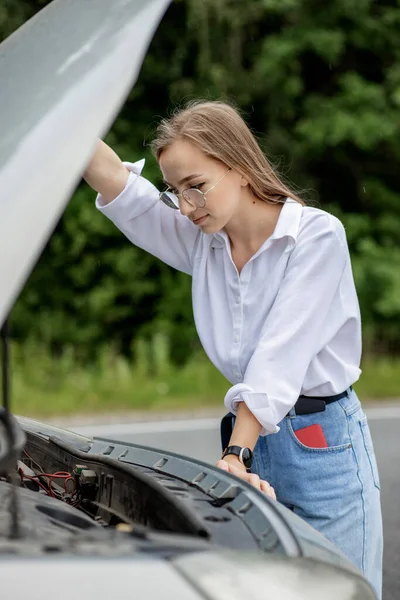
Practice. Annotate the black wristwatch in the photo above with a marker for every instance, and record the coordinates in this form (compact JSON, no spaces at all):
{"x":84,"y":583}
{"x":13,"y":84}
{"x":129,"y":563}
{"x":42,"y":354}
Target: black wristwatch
{"x":245,"y":455}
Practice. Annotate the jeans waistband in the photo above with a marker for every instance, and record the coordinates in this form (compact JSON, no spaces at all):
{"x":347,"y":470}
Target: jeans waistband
{"x":306,"y":405}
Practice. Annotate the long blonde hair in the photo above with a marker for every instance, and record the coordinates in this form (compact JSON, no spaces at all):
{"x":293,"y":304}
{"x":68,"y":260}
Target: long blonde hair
{"x":218,"y":130}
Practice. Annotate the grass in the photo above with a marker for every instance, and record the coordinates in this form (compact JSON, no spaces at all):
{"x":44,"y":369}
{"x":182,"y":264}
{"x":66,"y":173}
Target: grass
{"x":43,"y":386}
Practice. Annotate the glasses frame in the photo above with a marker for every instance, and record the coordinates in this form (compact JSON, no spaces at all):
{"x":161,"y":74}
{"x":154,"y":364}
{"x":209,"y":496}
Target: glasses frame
{"x":182,"y":194}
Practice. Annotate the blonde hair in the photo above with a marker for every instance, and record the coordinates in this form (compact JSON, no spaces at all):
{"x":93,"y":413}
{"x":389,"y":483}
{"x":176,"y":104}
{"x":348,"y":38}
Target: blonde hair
{"x":218,"y":130}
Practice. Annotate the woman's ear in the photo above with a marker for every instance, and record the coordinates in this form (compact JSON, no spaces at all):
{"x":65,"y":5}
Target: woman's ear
{"x":243,"y":181}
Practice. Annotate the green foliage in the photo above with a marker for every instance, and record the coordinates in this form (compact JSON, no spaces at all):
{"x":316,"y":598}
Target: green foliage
{"x":322,"y":89}
{"x":48,"y":386}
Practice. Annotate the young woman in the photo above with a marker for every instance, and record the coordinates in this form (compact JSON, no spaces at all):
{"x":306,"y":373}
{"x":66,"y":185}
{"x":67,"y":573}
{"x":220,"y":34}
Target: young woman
{"x":275,"y":308}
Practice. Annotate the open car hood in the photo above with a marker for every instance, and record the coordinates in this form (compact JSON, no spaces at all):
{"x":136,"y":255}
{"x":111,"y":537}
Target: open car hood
{"x":64,"y":76}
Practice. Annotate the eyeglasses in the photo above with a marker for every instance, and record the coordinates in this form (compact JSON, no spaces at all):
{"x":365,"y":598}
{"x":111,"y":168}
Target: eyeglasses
{"x":192,"y":196}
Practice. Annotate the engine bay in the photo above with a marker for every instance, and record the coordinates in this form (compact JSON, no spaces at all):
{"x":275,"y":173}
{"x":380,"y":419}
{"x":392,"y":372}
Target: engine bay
{"x":60,"y":512}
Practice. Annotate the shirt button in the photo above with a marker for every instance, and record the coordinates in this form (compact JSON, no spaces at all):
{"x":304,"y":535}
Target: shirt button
{"x":238,"y":300}
{"x":236,"y":339}
{"x":237,"y":375}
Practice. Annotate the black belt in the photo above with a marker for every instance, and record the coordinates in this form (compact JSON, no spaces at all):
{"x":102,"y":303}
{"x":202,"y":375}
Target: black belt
{"x":306,"y":405}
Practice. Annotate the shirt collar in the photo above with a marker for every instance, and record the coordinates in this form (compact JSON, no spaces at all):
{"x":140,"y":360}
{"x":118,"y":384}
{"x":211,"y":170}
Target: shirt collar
{"x":288,"y":223}
{"x":287,"y":226}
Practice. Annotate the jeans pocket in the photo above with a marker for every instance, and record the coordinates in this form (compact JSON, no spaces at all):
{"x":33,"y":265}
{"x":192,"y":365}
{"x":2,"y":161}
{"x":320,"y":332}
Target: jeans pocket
{"x":328,"y":449}
{"x":369,"y":448}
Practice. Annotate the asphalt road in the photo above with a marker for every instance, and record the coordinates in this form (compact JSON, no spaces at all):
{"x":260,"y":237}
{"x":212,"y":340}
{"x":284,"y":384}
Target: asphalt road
{"x":199,"y":438}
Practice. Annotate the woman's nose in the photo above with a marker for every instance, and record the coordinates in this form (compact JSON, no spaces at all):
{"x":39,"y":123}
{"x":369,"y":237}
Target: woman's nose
{"x":186,"y":208}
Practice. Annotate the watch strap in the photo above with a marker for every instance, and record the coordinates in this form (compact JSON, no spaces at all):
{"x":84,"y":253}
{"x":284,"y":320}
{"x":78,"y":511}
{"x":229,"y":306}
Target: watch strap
{"x":239,"y":451}
{"x":232,"y":450}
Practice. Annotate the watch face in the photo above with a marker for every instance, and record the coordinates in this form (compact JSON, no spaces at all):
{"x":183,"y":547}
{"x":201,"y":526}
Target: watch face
{"x":247,"y":457}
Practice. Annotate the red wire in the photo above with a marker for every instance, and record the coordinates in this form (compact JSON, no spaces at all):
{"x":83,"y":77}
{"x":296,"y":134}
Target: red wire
{"x":38,"y":482}
{"x":66,"y":488}
{"x":58,"y":475}
{"x":33,"y":461}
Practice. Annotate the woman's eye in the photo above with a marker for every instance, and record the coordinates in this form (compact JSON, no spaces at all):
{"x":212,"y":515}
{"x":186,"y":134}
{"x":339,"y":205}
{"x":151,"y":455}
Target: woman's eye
{"x":197,"y":187}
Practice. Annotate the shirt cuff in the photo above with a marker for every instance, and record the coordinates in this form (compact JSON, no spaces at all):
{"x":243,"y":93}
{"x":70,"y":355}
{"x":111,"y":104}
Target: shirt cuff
{"x":256,"y":402}
{"x":138,"y":196}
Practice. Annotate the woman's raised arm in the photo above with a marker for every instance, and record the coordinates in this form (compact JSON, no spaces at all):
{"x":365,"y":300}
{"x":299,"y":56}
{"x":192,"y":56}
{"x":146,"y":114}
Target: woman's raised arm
{"x":105,"y":172}
{"x":132,"y":203}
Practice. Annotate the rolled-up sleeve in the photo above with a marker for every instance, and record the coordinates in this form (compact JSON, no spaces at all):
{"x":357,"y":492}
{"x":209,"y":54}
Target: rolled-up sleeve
{"x":291,"y":335}
{"x":150,"y":224}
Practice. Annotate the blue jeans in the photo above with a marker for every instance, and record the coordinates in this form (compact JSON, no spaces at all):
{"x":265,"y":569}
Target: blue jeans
{"x":335,"y":489}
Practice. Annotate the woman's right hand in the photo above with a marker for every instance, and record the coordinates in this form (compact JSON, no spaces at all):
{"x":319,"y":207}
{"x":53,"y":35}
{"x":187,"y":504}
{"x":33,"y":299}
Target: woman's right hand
{"x":252,"y":478}
{"x":105,"y":172}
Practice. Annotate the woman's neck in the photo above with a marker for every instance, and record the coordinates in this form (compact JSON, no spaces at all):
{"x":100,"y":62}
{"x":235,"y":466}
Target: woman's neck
{"x":253,"y":224}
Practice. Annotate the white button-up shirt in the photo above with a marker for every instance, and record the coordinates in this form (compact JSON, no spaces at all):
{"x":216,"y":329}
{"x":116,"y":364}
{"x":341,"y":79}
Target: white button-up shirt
{"x":288,"y":324}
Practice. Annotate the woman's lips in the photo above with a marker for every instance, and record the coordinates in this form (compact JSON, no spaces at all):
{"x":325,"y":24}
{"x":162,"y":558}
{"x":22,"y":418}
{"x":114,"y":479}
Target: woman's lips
{"x":200,"y":220}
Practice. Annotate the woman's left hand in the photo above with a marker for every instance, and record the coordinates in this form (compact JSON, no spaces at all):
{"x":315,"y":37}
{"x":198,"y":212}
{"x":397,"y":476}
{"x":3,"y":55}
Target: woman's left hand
{"x":234,"y":466}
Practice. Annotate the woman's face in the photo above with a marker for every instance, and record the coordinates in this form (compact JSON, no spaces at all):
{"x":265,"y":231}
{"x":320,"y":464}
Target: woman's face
{"x":183,"y":166}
